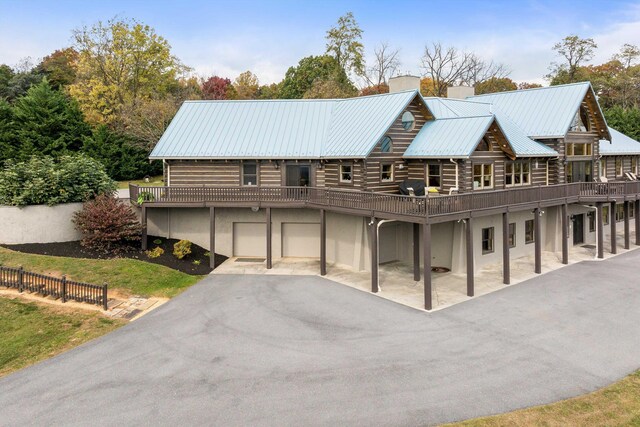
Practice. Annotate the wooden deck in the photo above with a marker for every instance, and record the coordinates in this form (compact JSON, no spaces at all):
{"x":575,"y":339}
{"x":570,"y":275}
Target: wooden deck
{"x":387,"y":206}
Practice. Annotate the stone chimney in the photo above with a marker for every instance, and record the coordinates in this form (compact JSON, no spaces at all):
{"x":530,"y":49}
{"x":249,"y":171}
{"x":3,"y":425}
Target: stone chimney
{"x":460,"y":92}
{"x":402,"y":83}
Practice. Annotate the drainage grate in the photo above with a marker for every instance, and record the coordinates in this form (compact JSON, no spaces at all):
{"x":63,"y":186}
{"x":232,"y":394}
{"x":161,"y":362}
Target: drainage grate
{"x":589,"y":246}
{"x":250,"y":260}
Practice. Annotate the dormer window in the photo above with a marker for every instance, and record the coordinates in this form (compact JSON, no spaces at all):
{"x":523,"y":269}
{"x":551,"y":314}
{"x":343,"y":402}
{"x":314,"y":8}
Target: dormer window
{"x":408,"y":121}
{"x":386,"y":144}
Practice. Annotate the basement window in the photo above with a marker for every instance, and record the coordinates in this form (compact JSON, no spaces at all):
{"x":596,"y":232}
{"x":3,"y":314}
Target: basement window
{"x":488,"y":240}
{"x":529,"y":231}
{"x":386,"y":172}
{"x":346,"y":174}
{"x":512,"y":235}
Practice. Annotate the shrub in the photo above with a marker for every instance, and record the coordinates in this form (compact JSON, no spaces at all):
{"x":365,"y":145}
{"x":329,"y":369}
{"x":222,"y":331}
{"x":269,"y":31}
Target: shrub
{"x":196,"y":262}
{"x":157,"y":241}
{"x":107,"y":225}
{"x":155,"y":252}
{"x":181,"y":249}
{"x":145,"y":196}
{"x":41,"y":180}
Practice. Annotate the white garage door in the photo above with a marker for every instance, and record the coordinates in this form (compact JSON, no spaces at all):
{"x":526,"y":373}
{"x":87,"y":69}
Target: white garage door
{"x":300,"y":240}
{"x":249,"y":239}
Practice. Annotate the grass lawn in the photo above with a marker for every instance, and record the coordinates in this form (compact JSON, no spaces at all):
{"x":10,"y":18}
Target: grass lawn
{"x":128,"y":276}
{"x":154,"y":181}
{"x":32,"y":332}
{"x":615,"y":405}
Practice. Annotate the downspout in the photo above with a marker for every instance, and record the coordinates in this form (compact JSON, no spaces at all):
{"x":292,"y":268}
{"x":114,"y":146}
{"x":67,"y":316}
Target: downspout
{"x":378,"y":248}
{"x":597,"y":222}
{"x":456,"y":188}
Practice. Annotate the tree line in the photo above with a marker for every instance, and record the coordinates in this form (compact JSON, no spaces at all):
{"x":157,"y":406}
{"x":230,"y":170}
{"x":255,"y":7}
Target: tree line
{"x":113,"y":92}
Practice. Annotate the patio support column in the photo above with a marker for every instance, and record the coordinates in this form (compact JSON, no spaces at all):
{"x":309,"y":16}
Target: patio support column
{"x":426,"y":254}
{"x":470,"y":273}
{"x":600,"y":230}
{"x":212,"y":237}
{"x":636,"y":213}
{"x":506,"y":268}
{"x":627,"y":237}
{"x":323,"y":242}
{"x":373,"y":232}
{"x":143,"y":220}
{"x":538,"y":243}
{"x":269,"y":259}
{"x":565,"y":234}
{"x":612,"y":221}
{"x":416,"y":252}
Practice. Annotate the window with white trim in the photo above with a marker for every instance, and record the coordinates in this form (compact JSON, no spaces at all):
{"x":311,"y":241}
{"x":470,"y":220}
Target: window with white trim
{"x":517,"y":173}
{"x":482,"y":176}
{"x":249,"y":174}
{"x":346,"y":173}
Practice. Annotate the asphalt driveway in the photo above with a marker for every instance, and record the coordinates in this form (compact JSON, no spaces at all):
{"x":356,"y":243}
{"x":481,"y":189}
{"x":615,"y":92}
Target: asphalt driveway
{"x":275,"y":350}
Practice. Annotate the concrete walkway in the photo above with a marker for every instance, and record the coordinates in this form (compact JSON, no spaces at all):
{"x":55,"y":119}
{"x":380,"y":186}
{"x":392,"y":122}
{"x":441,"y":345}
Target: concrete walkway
{"x":293,"y":350}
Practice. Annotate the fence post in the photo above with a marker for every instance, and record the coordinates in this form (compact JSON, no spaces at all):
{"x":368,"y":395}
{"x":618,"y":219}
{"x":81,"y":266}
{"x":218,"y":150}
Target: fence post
{"x":20,"y":279}
{"x":64,"y":289}
{"x":104,"y":297}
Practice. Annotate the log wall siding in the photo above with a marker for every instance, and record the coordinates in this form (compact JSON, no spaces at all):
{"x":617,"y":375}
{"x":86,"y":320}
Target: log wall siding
{"x":496,"y":157}
{"x":320,"y":176}
{"x":401,"y":139}
{"x":626,"y":166}
{"x":332,"y":175}
{"x":269,"y":175}
{"x":204,"y":173}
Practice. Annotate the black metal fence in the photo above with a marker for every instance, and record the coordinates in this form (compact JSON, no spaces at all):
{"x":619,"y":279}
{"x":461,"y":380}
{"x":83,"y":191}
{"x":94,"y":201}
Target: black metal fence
{"x":18,"y":278}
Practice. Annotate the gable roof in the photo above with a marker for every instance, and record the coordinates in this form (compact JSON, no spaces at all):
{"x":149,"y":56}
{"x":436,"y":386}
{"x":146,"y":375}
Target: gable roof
{"x":454,"y":137}
{"x":546,"y":112}
{"x":280,"y":129}
{"x":620,"y":144}
{"x":522,"y":145}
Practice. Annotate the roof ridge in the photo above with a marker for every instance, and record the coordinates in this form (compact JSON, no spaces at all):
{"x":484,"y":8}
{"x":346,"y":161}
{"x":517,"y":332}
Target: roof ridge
{"x":196,"y":101}
{"x":531,"y":89}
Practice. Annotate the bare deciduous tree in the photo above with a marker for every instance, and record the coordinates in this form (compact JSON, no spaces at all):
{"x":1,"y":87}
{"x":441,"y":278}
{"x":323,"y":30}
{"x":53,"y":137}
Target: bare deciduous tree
{"x":447,"y":66}
{"x":385,"y":64}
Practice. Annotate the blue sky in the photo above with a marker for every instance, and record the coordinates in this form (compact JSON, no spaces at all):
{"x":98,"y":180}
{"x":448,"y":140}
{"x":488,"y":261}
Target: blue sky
{"x":267,"y":37}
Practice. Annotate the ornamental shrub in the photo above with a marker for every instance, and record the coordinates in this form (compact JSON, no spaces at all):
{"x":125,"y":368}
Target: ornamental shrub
{"x":181,"y":249}
{"x":155,"y":252}
{"x":42,"y":180}
{"x":107,"y":225}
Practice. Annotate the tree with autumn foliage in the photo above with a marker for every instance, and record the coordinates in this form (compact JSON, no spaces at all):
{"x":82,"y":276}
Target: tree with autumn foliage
{"x":495,"y":84}
{"x":215,"y":88}
{"x":59,"y":67}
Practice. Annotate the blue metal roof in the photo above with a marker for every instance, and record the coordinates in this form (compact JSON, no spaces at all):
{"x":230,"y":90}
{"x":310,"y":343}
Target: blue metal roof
{"x":541,"y":112}
{"x":522,"y":145}
{"x":280,"y":129}
{"x":620,"y":144}
{"x":455,"y":137}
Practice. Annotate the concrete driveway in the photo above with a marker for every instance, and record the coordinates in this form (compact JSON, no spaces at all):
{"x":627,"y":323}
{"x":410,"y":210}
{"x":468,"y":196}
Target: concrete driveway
{"x":275,"y":350}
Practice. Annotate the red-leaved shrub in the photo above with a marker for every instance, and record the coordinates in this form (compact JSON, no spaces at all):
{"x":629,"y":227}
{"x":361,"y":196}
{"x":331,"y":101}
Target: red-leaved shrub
{"x":107,"y":225}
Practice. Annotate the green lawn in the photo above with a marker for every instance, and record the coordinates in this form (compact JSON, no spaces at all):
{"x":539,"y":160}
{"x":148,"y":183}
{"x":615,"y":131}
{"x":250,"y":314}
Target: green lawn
{"x":125,"y":275}
{"x":615,"y":405}
{"x":32,"y":332}
{"x":154,"y":181}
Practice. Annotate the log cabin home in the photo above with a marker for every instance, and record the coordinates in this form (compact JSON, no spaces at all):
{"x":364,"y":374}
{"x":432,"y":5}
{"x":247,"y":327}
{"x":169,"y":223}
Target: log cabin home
{"x":506,"y":175}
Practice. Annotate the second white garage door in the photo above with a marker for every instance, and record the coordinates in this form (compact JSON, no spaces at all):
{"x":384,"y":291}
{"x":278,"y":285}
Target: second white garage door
{"x":300,"y":240}
{"x":249,"y":239}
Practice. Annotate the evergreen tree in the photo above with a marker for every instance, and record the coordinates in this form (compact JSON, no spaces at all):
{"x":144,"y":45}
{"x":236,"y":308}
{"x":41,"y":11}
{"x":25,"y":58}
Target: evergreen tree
{"x":8,"y":144}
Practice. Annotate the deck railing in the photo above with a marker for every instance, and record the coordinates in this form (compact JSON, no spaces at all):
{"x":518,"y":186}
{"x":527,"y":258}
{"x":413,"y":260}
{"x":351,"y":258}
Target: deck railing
{"x":387,"y":203}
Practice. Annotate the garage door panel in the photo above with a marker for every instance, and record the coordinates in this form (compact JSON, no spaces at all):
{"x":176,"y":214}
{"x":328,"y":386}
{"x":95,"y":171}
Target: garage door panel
{"x":249,"y":239}
{"x":300,"y":240}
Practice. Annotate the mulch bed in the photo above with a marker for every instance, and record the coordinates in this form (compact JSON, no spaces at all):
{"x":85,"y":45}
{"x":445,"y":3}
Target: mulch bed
{"x":75,"y":250}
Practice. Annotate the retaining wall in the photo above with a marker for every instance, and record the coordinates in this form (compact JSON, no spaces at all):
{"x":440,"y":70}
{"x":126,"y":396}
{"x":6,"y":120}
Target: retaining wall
{"x":38,"y":224}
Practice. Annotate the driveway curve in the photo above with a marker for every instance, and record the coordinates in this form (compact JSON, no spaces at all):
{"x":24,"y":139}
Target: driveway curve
{"x":293,"y":350}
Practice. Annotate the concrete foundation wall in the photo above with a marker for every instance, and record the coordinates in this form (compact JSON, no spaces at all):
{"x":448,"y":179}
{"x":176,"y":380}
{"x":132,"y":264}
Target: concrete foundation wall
{"x":38,"y":224}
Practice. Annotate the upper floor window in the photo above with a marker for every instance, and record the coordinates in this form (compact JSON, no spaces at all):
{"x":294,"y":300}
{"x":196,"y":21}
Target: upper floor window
{"x":249,"y":174}
{"x":408,"y":121}
{"x":517,"y":173}
{"x":603,"y":167}
{"x":634,"y":165}
{"x":618,"y":167}
{"x":581,"y":121}
{"x":482,"y":176}
{"x":434,"y":175}
{"x":579,"y":149}
{"x":386,"y":144}
{"x":386,"y":172}
{"x":346,"y":173}
{"x":484,"y":145}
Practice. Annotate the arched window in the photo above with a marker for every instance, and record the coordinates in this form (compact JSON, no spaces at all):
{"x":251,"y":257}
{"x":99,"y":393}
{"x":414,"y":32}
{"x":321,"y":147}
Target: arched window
{"x":408,"y":121}
{"x":386,"y":144}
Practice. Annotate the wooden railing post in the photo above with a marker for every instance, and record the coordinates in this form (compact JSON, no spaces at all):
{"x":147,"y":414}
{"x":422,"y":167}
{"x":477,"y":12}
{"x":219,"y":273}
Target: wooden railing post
{"x":104,"y":297}
{"x":64,"y":289}
{"x":20,"y":279}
